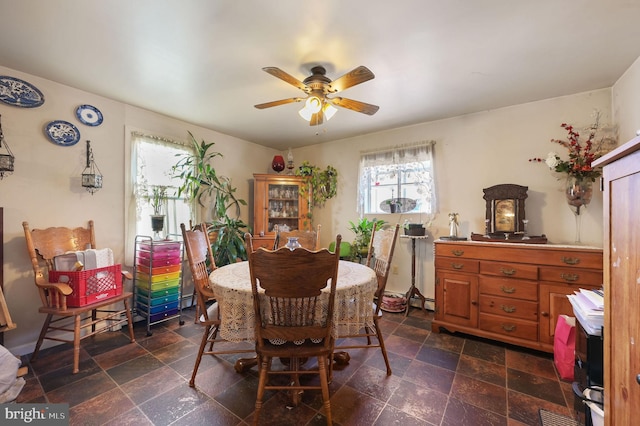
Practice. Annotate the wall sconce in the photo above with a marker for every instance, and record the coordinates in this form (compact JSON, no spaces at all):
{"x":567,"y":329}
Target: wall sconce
{"x":6,"y":160}
{"x":91,"y":177}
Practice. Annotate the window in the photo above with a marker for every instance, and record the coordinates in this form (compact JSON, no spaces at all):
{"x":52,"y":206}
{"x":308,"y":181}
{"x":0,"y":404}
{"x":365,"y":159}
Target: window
{"x":152,"y":159}
{"x":403,"y":176}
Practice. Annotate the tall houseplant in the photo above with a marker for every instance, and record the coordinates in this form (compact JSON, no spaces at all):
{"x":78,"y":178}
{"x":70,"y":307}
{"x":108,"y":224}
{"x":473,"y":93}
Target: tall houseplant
{"x":202,"y":184}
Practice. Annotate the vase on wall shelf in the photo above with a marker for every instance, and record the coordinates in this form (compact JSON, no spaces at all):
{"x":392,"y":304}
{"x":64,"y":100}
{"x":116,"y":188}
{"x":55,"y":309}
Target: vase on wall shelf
{"x":278,"y":163}
{"x":579,"y":191}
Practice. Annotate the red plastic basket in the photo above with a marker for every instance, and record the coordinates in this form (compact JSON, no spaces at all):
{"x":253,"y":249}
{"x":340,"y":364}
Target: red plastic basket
{"x":90,"y":286}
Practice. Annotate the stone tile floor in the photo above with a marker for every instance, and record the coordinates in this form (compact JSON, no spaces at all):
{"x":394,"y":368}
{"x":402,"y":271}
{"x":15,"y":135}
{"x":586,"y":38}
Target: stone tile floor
{"x":438,"y":379}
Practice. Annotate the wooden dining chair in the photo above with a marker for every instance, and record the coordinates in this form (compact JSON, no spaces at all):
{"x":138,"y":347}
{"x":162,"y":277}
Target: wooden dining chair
{"x":379,"y":257}
{"x":307,"y":239}
{"x":201,"y":263}
{"x":293,"y":316}
{"x":43,"y":245}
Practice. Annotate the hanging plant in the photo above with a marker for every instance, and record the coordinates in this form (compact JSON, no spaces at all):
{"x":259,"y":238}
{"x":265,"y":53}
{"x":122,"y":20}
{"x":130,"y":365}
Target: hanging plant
{"x":323,"y":184}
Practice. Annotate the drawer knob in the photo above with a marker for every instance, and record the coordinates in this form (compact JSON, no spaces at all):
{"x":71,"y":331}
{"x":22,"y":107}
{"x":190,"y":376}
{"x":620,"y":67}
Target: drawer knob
{"x":508,"y":290}
{"x":509,"y":327}
{"x":457,"y":266}
{"x":474,"y":302}
{"x":457,"y":252}
{"x":544,"y":314}
{"x":571,"y":260}
{"x":570,"y":277}
{"x":507,"y":271}
{"x":508,"y":309}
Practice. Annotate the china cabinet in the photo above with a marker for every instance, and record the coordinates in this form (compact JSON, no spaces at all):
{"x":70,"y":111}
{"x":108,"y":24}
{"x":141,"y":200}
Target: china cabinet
{"x":510,"y":292}
{"x":277,"y":200}
{"x":621,"y":184}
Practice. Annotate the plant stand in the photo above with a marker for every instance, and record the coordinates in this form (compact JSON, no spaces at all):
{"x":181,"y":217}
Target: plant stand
{"x":413,"y":290}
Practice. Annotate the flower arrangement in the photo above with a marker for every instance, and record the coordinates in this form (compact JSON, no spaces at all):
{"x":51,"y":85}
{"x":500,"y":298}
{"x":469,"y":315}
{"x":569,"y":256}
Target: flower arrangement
{"x":581,"y":154}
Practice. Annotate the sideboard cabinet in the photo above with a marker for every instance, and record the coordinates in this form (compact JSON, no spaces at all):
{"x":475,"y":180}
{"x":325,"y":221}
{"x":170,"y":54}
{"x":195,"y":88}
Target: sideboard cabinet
{"x":510,"y":292}
{"x":277,"y":200}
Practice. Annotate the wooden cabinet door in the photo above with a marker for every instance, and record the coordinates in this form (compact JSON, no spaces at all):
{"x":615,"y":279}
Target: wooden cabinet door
{"x":553,"y":303}
{"x":277,"y":200}
{"x":622,"y":290}
{"x":457,"y":296}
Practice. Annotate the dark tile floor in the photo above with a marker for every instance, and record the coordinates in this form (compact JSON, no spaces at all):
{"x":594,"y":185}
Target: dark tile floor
{"x":438,"y":379}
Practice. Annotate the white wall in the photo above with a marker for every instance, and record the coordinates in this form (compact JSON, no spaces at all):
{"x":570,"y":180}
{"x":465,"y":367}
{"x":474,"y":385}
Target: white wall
{"x":626,"y":102}
{"x":472,"y":152}
{"x":45,"y":188}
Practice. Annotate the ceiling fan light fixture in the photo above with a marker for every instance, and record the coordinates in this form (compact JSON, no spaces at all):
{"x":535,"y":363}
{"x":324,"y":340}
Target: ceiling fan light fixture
{"x":329,"y":111}
{"x":311,"y":106}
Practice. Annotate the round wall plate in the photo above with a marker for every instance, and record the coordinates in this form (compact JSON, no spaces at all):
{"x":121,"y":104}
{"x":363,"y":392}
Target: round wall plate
{"x":62,"y":133}
{"x":89,"y":115}
{"x":16,"y":92}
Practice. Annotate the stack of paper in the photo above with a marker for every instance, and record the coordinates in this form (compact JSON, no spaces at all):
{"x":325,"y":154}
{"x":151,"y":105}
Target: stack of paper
{"x":588,"y":307}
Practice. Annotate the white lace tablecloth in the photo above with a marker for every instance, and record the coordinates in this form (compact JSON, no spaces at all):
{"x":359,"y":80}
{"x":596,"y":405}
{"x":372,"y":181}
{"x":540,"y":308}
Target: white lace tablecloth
{"x":232,"y":287}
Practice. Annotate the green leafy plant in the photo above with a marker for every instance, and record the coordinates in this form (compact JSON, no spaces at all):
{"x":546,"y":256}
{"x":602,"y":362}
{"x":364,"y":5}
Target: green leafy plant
{"x":363,"y":229}
{"x":200,"y":180}
{"x":156,"y":196}
{"x":202,"y":184}
{"x":322,"y":185}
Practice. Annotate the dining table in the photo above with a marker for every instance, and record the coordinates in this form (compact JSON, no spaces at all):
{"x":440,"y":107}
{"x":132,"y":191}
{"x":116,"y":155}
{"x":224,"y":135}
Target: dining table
{"x":231,"y":284}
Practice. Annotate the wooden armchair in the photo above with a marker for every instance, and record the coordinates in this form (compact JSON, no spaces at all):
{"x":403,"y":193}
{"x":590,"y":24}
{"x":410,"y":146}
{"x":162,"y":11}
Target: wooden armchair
{"x":307,"y":239}
{"x":43,"y":245}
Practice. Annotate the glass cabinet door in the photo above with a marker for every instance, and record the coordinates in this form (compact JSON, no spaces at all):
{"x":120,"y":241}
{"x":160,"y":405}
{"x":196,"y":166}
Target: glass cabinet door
{"x":283,"y":208}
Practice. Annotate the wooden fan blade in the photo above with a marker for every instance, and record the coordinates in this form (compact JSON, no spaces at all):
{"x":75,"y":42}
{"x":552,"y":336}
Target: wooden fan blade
{"x":277,"y":72}
{"x":317,"y":118}
{"x":277,"y":103}
{"x":350,"y":79}
{"x":357,"y":106}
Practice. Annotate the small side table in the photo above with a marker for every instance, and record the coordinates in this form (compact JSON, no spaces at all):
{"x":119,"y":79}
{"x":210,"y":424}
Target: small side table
{"x":413,"y":290}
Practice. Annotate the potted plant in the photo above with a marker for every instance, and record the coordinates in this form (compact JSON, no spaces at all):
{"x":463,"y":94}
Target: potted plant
{"x":202,"y":184}
{"x":363,"y":229}
{"x":155,"y":196}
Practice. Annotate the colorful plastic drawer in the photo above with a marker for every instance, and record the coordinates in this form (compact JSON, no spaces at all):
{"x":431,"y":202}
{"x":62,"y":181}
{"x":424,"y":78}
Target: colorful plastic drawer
{"x":159,"y":278}
{"x":171,"y":291}
{"x":163,"y":285}
{"x":163,"y":269}
{"x":158,"y":262}
{"x":157,"y":309}
{"x":162,"y":315}
{"x":157,"y":300}
{"x":161,"y":246}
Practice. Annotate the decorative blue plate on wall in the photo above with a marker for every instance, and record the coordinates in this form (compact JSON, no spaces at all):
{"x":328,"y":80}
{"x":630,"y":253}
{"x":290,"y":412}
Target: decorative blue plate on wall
{"x":89,"y":115}
{"x":62,"y":133}
{"x":16,"y":92}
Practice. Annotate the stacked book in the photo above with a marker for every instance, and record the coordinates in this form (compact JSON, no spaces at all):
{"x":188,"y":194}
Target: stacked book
{"x":588,"y":307}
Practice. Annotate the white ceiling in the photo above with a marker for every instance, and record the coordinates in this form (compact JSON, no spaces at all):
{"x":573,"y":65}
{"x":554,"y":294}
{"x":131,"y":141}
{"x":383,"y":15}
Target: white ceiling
{"x":201,"y":60}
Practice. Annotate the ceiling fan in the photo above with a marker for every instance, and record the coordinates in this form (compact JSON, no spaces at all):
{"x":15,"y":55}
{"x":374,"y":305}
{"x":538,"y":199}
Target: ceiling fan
{"x":319,"y":106}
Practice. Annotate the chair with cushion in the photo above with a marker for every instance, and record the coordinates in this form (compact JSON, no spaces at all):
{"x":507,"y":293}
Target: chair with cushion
{"x":43,"y":245}
{"x":307,"y":239}
{"x":201,"y":263}
{"x":381,"y":247}
{"x":294,"y":296}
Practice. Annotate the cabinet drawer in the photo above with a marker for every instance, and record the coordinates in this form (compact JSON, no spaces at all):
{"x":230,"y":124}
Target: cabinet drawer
{"x":458,"y":265}
{"x":509,"y":270}
{"x":572,"y":276}
{"x":509,"y":308}
{"x":508,"y":287}
{"x":509,"y":326}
